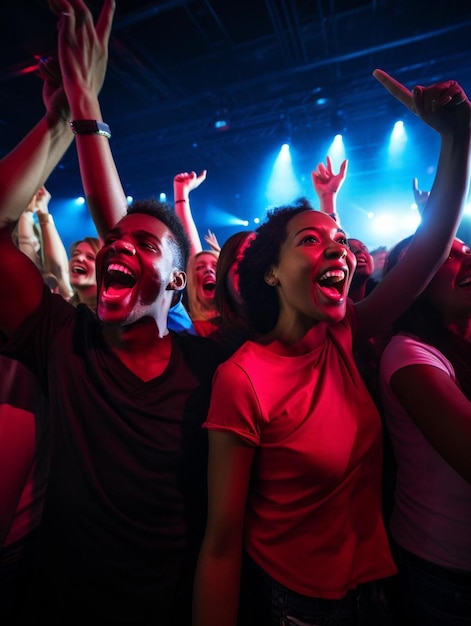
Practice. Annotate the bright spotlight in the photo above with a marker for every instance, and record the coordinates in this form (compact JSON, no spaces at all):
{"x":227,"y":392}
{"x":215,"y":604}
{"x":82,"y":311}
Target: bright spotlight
{"x":398,"y":130}
{"x":129,"y":199}
{"x":397,"y":142}
{"x":163,"y":197}
{"x":256,"y":220}
{"x":219,"y":217}
{"x":80,"y":201}
{"x":337,"y":151}
{"x":283,"y":186}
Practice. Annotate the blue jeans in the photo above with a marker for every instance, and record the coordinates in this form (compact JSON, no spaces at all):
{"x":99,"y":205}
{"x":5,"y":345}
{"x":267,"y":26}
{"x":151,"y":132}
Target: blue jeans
{"x":430,"y":594}
{"x":266,"y":602}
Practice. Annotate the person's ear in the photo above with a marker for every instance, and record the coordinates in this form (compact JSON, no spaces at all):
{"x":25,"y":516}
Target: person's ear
{"x":178,"y":281}
{"x":271,"y":278}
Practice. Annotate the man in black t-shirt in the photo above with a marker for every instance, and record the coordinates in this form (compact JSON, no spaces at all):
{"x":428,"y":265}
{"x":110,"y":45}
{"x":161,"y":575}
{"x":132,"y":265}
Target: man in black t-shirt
{"x":126,"y":500}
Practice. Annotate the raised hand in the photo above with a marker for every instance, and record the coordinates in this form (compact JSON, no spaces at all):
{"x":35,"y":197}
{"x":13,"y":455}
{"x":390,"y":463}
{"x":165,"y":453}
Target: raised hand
{"x":83,"y":45}
{"x":324,"y":179}
{"x":420,"y":197}
{"x":443,"y":106}
{"x":212,"y":241}
{"x":40,"y":201}
{"x":185,"y":182}
{"x":54,"y":97}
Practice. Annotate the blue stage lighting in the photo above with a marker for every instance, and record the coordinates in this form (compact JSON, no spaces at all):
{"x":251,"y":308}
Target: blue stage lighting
{"x":283,"y":186}
{"x":397,"y":143}
{"x":337,"y":151}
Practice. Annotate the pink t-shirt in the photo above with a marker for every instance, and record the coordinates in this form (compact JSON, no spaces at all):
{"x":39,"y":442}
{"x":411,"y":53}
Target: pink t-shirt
{"x":432,"y":508}
{"x":314,"y":518}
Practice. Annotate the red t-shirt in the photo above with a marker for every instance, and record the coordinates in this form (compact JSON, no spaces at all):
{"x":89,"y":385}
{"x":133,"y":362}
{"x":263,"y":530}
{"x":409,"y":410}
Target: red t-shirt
{"x":314,"y":517}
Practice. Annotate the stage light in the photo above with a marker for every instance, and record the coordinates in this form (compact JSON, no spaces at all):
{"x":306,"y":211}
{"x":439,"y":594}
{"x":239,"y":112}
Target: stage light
{"x":282,"y":186}
{"x":397,"y":143}
{"x":218,"y":217}
{"x":398,"y":131}
{"x":256,"y":220}
{"x":337,"y":152}
{"x":163,"y":197}
{"x":129,"y":199}
{"x":221,"y":121}
{"x":80,"y":201}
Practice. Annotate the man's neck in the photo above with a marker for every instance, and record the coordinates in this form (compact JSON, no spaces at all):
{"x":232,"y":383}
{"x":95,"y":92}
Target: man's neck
{"x":142,"y":347}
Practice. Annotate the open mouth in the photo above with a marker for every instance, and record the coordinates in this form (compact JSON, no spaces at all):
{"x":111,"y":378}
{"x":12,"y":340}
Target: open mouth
{"x":118,"y":279}
{"x":78,"y":269}
{"x":209,"y":286}
{"x":332,"y":284}
{"x":466,"y":282}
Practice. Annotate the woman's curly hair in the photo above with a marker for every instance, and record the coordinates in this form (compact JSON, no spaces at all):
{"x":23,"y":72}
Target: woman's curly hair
{"x":260,"y":299}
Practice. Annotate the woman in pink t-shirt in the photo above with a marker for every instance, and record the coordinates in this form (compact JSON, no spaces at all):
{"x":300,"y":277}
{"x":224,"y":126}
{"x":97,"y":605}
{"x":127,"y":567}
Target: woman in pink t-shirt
{"x":425,"y":383}
{"x":295,"y":439}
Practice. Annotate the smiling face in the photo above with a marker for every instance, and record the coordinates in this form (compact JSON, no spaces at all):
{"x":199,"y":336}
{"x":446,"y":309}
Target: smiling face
{"x":82,"y":266}
{"x":136,"y":272}
{"x":450,"y":288}
{"x":314,"y":271}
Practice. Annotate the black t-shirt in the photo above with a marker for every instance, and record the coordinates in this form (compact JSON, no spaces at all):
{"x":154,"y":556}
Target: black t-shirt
{"x":126,"y":503}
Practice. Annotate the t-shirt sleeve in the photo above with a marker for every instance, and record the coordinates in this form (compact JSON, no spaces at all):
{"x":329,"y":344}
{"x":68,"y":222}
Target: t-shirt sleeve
{"x":33,"y":341}
{"x":234,"y":405}
{"x":403,"y":351}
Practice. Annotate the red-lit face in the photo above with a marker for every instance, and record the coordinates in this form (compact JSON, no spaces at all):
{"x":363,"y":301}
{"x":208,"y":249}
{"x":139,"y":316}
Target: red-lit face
{"x":134,"y":268}
{"x":82,"y":266}
{"x":450,"y":288}
{"x":365,"y":264}
{"x":315,"y":269}
{"x":233,"y":275}
{"x":205,"y":276}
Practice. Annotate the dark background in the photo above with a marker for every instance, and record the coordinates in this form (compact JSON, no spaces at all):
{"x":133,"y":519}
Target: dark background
{"x":175,"y":63}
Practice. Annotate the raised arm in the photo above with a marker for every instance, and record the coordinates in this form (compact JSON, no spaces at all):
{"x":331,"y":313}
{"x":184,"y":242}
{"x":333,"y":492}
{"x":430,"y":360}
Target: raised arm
{"x":28,"y":237}
{"x":83,"y":56}
{"x":55,"y":258}
{"x":183,"y":184}
{"x":327,"y":185}
{"x":30,"y":163}
{"x":22,"y":172}
{"x":446,"y":109}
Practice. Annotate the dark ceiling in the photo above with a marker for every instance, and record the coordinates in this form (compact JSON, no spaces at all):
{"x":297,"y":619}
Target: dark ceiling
{"x":175,"y":63}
